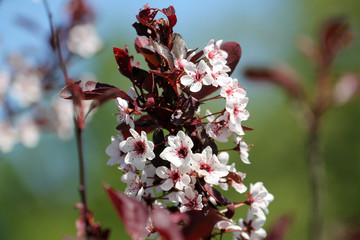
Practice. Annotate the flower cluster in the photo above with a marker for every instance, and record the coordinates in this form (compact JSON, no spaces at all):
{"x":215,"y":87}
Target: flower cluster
{"x":181,"y":167}
{"x":29,"y":104}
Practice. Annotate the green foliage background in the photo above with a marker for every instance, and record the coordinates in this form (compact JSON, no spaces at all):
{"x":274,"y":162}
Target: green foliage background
{"x":38,"y":187}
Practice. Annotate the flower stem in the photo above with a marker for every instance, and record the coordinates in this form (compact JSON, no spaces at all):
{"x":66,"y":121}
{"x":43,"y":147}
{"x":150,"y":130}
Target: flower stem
{"x":78,"y":131}
{"x":82,"y":178}
{"x":317,"y":182}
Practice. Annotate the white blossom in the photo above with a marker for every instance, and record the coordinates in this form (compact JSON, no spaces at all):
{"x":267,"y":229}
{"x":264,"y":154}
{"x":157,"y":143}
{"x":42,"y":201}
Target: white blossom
{"x":195,"y":75}
{"x":227,"y":225}
{"x":4,"y":84}
{"x":26,"y":88}
{"x":28,"y":131}
{"x":232,"y":89}
{"x":259,"y":199}
{"x":190,"y":200}
{"x":217,"y":128}
{"x":252,"y":226}
{"x":134,"y":183}
{"x":125,"y":113}
{"x":138,"y":149}
{"x":8,"y":137}
{"x":173,"y":176}
{"x":83,"y":40}
{"x":114,"y":152}
{"x":243,"y":148}
{"x":213,"y":52}
{"x":64,"y":122}
{"x":218,"y":75}
{"x":179,"y":150}
{"x":207,"y":165}
{"x":236,"y":113}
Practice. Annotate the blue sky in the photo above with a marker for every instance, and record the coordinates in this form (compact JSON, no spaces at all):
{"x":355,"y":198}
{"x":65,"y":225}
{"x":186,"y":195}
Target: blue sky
{"x":254,"y":24}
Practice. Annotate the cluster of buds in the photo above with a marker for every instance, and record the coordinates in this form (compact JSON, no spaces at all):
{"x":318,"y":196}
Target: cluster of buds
{"x":182,"y":167}
{"x":25,"y":109}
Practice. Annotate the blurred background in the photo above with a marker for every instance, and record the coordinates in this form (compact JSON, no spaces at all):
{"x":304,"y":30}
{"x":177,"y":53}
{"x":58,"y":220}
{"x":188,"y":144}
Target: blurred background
{"x":38,"y":185}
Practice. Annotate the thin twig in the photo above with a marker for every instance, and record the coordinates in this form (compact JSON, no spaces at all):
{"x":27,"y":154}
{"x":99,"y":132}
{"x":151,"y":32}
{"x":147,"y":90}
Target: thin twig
{"x":317,"y":182}
{"x":56,"y":43}
{"x":78,"y":130}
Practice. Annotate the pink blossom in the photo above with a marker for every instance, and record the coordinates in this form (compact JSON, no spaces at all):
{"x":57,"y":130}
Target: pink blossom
{"x":243,"y":149}
{"x":259,"y":199}
{"x":217,"y":128}
{"x":179,"y":150}
{"x":173,"y":176}
{"x":138,"y":149}
{"x":114,"y":152}
{"x":251,"y":228}
{"x":195,"y":75}
{"x":207,"y":165}
{"x":236,"y":113}
{"x":213,"y":52}
{"x":134,"y":183}
{"x":190,"y":200}
{"x":232,"y":89}
{"x":84,"y":40}
{"x":125,"y":113}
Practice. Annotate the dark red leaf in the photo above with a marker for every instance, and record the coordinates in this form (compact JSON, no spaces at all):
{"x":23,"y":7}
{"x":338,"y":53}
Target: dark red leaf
{"x":164,"y":225}
{"x":282,"y":77}
{"x":205,"y":91}
{"x":109,"y":93}
{"x":201,"y":223}
{"x":140,"y":43}
{"x":164,"y":52}
{"x":233,"y":50}
{"x":144,"y":123}
{"x":170,"y":14}
{"x":67,"y":91}
{"x":197,"y":56}
{"x":124,"y":62}
{"x":149,"y":84}
{"x":219,"y":198}
{"x":178,"y":46}
{"x":133,"y":213}
{"x":139,"y":76}
{"x":145,"y":18}
{"x":141,"y":46}
{"x":279,"y":229}
{"x":335,"y":36}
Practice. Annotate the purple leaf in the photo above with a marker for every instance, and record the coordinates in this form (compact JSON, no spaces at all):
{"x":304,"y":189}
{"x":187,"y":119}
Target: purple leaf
{"x":164,"y":225}
{"x":140,"y":43}
{"x":141,"y":46}
{"x":124,"y":62}
{"x":170,"y":14}
{"x":278,"y":230}
{"x":200,"y":223}
{"x":335,"y":36}
{"x":206,"y":90}
{"x":109,"y":93}
{"x":67,"y":91}
{"x":233,"y":50}
{"x":283,"y":77}
{"x":164,"y":52}
{"x":219,"y":198}
{"x":178,"y":48}
{"x":133,"y":213}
